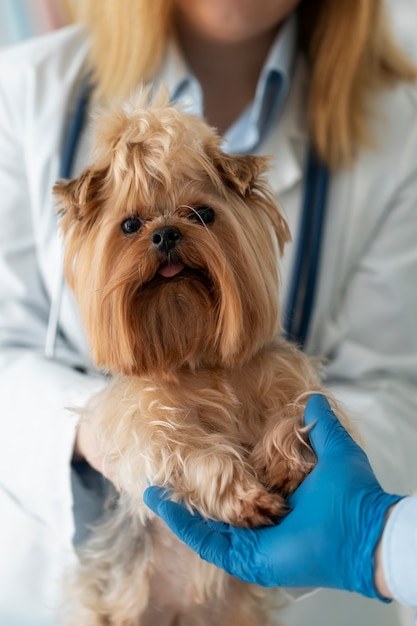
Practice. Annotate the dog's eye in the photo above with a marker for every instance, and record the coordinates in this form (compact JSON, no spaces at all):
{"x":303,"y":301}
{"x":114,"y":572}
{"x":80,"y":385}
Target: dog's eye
{"x":131,"y":225}
{"x":202,"y":214}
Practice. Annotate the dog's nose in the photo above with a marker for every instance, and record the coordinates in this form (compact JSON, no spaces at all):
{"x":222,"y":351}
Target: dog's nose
{"x":165,"y":238}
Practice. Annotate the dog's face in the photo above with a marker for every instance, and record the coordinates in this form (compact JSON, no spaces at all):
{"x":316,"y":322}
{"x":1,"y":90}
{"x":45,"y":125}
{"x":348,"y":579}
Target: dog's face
{"x":170,"y":245}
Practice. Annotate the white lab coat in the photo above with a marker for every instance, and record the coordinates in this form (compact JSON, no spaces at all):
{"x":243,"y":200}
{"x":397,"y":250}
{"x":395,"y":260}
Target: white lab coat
{"x":364,"y":318}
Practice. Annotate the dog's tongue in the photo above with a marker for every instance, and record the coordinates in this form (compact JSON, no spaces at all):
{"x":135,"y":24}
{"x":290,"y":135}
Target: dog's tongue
{"x":171,"y":269}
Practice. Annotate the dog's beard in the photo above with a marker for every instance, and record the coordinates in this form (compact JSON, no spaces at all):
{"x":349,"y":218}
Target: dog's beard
{"x":177,"y":319}
{"x":160,"y":312}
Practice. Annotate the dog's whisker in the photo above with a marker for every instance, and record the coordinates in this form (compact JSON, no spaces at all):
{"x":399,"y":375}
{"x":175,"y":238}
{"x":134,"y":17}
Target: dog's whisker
{"x":193,"y":210}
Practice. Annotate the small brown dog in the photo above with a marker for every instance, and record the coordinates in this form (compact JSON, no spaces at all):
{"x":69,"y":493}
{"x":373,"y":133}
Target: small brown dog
{"x":171,"y":249}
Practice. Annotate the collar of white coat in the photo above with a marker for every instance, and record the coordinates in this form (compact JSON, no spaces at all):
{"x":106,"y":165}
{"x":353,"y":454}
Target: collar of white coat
{"x":286,"y":139}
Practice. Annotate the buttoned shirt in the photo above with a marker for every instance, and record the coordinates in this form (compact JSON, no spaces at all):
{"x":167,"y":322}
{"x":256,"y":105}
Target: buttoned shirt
{"x":251,"y":127}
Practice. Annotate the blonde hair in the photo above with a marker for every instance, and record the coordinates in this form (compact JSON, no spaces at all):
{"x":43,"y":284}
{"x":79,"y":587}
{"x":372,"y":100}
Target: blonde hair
{"x":351,"y":55}
{"x":350,"y":51}
{"x":127,"y":41}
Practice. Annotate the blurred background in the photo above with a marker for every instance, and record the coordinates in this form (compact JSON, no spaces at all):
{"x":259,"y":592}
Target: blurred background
{"x":20,"y":19}
{"x":404,"y":20}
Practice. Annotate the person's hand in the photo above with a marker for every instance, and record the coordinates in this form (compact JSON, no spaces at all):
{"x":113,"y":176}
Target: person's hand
{"x":327,"y":539}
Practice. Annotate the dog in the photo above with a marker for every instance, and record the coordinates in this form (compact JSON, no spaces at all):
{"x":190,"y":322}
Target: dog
{"x":171,"y":247}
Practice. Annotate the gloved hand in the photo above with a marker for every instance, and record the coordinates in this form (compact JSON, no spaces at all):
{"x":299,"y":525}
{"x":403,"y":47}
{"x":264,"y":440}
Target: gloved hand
{"x":326,"y":540}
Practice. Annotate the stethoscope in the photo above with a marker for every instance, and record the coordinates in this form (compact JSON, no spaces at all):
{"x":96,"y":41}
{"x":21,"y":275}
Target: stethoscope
{"x":300,"y":301}
{"x":304,"y":278}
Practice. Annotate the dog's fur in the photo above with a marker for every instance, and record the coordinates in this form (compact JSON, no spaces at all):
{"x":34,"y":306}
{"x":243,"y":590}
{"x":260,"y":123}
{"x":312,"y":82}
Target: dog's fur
{"x":180,"y":305}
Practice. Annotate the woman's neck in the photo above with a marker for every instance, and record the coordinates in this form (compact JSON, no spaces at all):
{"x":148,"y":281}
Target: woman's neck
{"x":228,"y":72}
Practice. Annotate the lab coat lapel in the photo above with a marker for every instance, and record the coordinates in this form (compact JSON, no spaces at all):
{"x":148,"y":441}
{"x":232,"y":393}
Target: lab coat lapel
{"x":287,"y":143}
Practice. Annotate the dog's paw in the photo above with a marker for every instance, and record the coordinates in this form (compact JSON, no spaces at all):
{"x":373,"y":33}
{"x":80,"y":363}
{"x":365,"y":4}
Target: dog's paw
{"x":261,"y":509}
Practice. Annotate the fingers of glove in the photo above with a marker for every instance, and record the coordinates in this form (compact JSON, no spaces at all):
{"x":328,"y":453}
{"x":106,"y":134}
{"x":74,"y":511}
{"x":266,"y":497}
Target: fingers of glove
{"x":339,"y":456}
{"x":327,"y":435}
{"x":220,"y":527}
{"x":210,"y":543}
{"x":153,"y":496}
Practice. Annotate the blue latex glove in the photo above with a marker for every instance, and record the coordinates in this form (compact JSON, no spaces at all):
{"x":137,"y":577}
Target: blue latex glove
{"x":328,"y":538}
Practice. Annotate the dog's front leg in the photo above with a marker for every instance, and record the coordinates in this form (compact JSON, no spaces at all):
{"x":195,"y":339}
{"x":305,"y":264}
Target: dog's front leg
{"x":216,"y":480}
{"x":181,"y":447}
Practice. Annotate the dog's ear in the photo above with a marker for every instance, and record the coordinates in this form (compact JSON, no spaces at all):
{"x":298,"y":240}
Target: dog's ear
{"x":238,"y":171}
{"x":77,"y":198}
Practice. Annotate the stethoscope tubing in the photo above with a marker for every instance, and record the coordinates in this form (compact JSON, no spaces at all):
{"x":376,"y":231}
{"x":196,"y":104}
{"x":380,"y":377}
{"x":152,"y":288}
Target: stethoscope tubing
{"x":303,"y":285}
{"x":75,"y":129}
{"x":76,"y":124}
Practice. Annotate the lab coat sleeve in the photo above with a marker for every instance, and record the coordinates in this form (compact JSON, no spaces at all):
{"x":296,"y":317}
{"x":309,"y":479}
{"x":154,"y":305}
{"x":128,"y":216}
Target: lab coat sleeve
{"x":399,"y":552}
{"x":370,"y":333}
{"x":36,"y":428}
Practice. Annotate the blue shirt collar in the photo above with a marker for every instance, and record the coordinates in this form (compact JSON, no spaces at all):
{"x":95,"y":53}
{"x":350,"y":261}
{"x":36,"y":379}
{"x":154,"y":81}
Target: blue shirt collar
{"x":248,"y":131}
